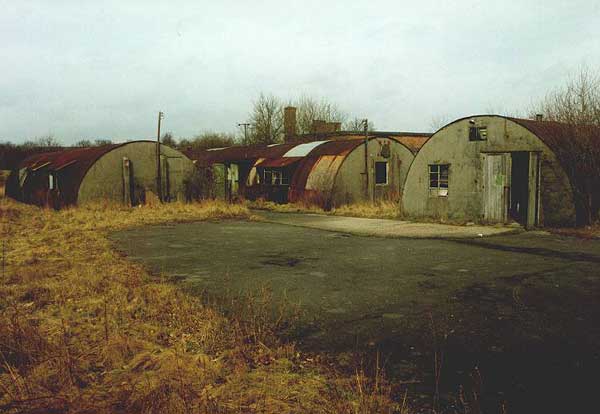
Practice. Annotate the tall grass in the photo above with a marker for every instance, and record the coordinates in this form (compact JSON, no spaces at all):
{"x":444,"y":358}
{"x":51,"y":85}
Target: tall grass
{"x":84,"y":330}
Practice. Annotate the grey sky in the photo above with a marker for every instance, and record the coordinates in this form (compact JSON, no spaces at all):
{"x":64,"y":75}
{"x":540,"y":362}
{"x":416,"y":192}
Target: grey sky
{"x":102,"y":69}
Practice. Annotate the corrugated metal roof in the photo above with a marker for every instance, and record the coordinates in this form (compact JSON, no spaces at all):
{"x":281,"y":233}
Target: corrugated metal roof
{"x":557,"y":136}
{"x":59,"y":159}
{"x":72,"y":164}
{"x":302,"y":150}
{"x":277,"y":162}
{"x":238,"y":153}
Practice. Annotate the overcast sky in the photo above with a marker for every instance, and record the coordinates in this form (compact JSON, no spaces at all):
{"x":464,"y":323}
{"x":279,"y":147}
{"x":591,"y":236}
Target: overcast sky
{"x":102,"y":69}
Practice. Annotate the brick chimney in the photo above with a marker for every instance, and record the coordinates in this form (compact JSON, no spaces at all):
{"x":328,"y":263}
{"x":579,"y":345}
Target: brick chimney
{"x":335,"y":126}
{"x":319,"y":126}
{"x":289,"y":123}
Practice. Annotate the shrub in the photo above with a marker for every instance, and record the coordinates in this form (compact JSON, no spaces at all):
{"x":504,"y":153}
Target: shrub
{"x":199,"y":184}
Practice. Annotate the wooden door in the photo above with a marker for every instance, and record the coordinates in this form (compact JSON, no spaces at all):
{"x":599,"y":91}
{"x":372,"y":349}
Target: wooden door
{"x":495,"y":184}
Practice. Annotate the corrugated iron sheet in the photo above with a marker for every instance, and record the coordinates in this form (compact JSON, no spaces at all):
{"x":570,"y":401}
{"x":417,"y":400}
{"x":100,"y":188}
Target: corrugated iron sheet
{"x":238,"y":153}
{"x":302,"y":150}
{"x":70,"y":165}
{"x":277,"y":162}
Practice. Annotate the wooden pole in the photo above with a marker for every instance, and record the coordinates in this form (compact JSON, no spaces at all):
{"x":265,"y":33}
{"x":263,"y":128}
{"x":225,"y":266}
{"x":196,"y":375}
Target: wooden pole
{"x":158,"y":173}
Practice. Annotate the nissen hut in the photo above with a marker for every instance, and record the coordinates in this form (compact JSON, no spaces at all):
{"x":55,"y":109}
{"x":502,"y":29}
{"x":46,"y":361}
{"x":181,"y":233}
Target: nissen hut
{"x":123,"y":173}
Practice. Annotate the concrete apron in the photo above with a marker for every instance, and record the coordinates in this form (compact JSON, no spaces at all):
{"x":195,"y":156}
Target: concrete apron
{"x":384,"y":227}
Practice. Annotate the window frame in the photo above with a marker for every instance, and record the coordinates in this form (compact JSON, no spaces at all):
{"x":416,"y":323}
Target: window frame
{"x":277,"y":176}
{"x":436,"y":175}
{"x":387,"y":173}
{"x":480,"y":134}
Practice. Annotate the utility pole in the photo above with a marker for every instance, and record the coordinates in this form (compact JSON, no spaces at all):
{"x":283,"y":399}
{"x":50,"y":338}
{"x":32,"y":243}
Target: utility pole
{"x":245,"y":125}
{"x":366,"y":129}
{"x":161,"y":115}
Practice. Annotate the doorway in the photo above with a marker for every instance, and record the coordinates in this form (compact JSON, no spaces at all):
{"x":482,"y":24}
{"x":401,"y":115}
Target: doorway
{"x":511,"y":185}
{"x":519,"y":190}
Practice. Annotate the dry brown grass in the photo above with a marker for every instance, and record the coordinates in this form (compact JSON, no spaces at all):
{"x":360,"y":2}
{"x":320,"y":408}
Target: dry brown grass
{"x":84,"y":330}
{"x":377,"y":209}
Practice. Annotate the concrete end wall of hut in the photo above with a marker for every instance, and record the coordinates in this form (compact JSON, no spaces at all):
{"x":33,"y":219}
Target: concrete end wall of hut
{"x":128,"y":173}
{"x":465,"y":159}
{"x":350,"y":186}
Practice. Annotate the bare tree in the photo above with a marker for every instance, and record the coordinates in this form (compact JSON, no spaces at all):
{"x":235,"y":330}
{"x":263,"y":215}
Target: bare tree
{"x":168,"y":140}
{"x":207,"y":140}
{"x":100,"y":142}
{"x":357,"y":125}
{"x":577,"y":103}
{"x":83,"y":143}
{"x":47,"y":141}
{"x":267,"y":120}
{"x":310,"y":109}
{"x":576,"y":106}
{"x":439,"y":121}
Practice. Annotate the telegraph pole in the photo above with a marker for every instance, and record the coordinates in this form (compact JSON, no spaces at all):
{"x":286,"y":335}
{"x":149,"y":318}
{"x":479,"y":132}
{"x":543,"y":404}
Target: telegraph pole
{"x":245,"y":125}
{"x":366,"y":129}
{"x":161,"y":115}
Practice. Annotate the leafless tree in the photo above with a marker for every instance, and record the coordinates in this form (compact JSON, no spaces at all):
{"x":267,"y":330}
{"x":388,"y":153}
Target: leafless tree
{"x":357,"y":125}
{"x":47,"y":141}
{"x":168,"y":140}
{"x":438,"y":121}
{"x":267,"y":120}
{"x":310,"y":109}
{"x":576,"y":106}
{"x":207,"y":140}
{"x":100,"y":142}
{"x":83,"y":143}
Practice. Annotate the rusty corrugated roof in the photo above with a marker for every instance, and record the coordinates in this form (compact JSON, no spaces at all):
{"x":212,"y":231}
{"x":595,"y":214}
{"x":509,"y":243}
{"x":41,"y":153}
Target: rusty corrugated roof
{"x":72,"y":163}
{"x":277,"y":162}
{"x":238,"y":153}
{"x":558,"y":135}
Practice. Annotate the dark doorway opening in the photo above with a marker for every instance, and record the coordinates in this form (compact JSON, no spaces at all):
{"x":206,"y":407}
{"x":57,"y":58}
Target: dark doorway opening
{"x":519,"y":193}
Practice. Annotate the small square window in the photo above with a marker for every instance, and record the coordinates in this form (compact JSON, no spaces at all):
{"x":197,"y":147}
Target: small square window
{"x":438,"y":179}
{"x":381,"y":172}
{"x":477,"y":133}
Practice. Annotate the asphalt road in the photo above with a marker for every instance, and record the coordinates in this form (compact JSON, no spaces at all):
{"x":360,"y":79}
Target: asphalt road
{"x":523,"y":308}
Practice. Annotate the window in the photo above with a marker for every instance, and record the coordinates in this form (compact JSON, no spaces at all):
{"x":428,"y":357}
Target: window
{"x":51,"y":182}
{"x":438,"y":180}
{"x":477,"y":133}
{"x":276,"y":176}
{"x":381,"y":172}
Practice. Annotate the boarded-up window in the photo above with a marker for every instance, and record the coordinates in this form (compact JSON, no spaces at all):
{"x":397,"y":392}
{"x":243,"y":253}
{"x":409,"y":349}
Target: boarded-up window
{"x":381,"y":172}
{"x":477,"y":133}
{"x":438,"y":179}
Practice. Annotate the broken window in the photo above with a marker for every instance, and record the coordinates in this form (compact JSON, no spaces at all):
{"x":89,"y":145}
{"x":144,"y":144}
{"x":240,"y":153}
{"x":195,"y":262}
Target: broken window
{"x":438,"y":179}
{"x":276,"y":176}
{"x":477,"y":133}
{"x":381,"y":172}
